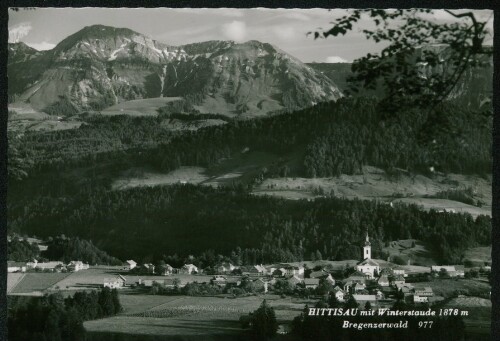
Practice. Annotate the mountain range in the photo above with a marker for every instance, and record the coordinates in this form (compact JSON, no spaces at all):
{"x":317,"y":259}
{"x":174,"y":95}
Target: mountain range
{"x":100,"y":66}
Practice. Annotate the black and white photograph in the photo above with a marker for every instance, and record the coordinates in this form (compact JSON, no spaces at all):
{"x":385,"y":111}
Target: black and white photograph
{"x":219,"y":174}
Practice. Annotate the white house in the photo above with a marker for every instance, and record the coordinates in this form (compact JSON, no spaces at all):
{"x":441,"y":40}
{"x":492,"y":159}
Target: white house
{"x":362,"y":299}
{"x":311,"y":283}
{"x":339,"y":293}
{"x":48,"y":265}
{"x":188,"y":269}
{"x":16,"y":266}
{"x":420,"y":299}
{"x":383,"y":281}
{"x":115,"y":282}
{"x":130,"y":264}
{"x":77,"y":266}
{"x":225,"y":267}
{"x":451,"y":270}
{"x":165,"y":270}
{"x":294,"y":280}
{"x":291,"y":270}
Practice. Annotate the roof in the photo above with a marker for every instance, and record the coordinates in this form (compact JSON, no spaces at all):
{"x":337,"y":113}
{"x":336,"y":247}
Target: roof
{"x":368,"y":261}
{"x":311,"y":281}
{"x":316,"y":274}
{"x":337,"y":288}
{"x":398,"y":278}
{"x":12,"y":264}
{"x":48,"y":264}
{"x":425,"y":289}
{"x":131,"y":262}
{"x":357,"y":274}
{"x":383,"y":278}
{"x":364,"y":297}
{"x":448,"y":268}
{"x":114,"y":279}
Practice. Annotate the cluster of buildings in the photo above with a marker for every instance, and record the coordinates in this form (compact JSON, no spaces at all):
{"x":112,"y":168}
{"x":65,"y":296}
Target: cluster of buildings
{"x":72,"y":266}
{"x":368,"y":281}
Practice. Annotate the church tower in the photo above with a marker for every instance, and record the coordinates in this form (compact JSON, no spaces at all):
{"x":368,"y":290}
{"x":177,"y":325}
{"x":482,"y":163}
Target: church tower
{"x":367,"y":249}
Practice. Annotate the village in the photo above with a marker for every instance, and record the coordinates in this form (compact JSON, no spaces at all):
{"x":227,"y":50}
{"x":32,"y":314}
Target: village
{"x":375,"y":281}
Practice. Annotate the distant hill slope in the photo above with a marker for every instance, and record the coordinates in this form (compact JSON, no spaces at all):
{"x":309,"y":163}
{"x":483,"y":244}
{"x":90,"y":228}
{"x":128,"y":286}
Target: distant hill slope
{"x":472,"y":91}
{"x":100,"y":66}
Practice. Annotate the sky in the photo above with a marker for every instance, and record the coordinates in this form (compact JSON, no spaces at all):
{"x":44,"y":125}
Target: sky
{"x":287,"y":29}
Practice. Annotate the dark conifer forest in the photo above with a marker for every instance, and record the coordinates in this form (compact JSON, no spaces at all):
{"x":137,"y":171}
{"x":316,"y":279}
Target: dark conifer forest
{"x":65,"y":187}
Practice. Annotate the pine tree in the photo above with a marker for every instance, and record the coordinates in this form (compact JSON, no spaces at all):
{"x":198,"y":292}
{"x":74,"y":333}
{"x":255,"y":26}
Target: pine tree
{"x":264,"y":323}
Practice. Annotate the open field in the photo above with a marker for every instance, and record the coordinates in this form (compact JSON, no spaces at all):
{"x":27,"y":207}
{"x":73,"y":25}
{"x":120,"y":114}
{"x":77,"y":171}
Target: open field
{"x":240,"y":167}
{"x":478,"y":256}
{"x":140,"y":177}
{"x":450,"y":287}
{"x":38,"y":282}
{"x":414,"y":250}
{"x":374,"y":183}
{"x":12,"y":280}
{"x":139,"y":107}
{"x":186,"y":318}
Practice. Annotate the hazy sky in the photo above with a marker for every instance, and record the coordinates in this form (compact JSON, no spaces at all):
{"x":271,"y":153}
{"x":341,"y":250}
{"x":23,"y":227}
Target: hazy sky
{"x":286,"y":28}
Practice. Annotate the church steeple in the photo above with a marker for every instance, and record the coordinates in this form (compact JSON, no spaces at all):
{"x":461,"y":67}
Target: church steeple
{"x":367,"y":249}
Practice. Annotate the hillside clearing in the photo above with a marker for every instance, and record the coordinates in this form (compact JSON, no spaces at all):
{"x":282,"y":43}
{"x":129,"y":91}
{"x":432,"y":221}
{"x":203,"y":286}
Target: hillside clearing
{"x":139,"y":107}
{"x":375,"y":183}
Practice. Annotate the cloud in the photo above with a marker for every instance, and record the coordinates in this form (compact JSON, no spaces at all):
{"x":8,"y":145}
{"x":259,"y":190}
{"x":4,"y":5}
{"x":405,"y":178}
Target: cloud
{"x":42,"y":46}
{"x":296,"y":16}
{"x":17,"y":32}
{"x":284,"y":32}
{"x":236,"y":30}
{"x":335,"y":59}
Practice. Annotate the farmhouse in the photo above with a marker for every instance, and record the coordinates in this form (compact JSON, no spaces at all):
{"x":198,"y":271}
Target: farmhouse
{"x":77,"y":266}
{"x":225,"y":267}
{"x":254,"y":270}
{"x":397,"y":280}
{"x":165,"y":270}
{"x":420,"y":299}
{"x":293,"y":270}
{"x":130,"y":264}
{"x":147,"y":268}
{"x":362,"y":299}
{"x":338,"y":293}
{"x":278,"y":273}
{"x":219,"y":280}
{"x":115,"y":282}
{"x":294,"y":280}
{"x":318,"y":274}
{"x":52,"y":266}
{"x":16,"y":266}
{"x":188,"y":269}
{"x":261,"y":285}
{"x":450,"y":270}
{"x":383,"y":281}
{"x":311,"y":283}
{"x":427,"y":291}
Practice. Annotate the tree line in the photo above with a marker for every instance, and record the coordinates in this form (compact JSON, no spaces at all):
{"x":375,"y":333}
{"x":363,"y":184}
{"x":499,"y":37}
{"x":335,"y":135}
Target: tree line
{"x":156,"y":223}
{"x":55,"y":318}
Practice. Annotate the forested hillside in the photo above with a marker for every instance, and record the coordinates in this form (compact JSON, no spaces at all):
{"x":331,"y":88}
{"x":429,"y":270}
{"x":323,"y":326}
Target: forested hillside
{"x":337,"y":138}
{"x":149,"y":223}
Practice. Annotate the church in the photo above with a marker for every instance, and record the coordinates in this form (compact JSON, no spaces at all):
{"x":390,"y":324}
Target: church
{"x":368,"y":266}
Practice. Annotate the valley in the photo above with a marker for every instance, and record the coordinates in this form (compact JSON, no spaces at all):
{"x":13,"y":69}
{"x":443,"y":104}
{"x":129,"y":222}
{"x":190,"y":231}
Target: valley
{"x":191,"y":182}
